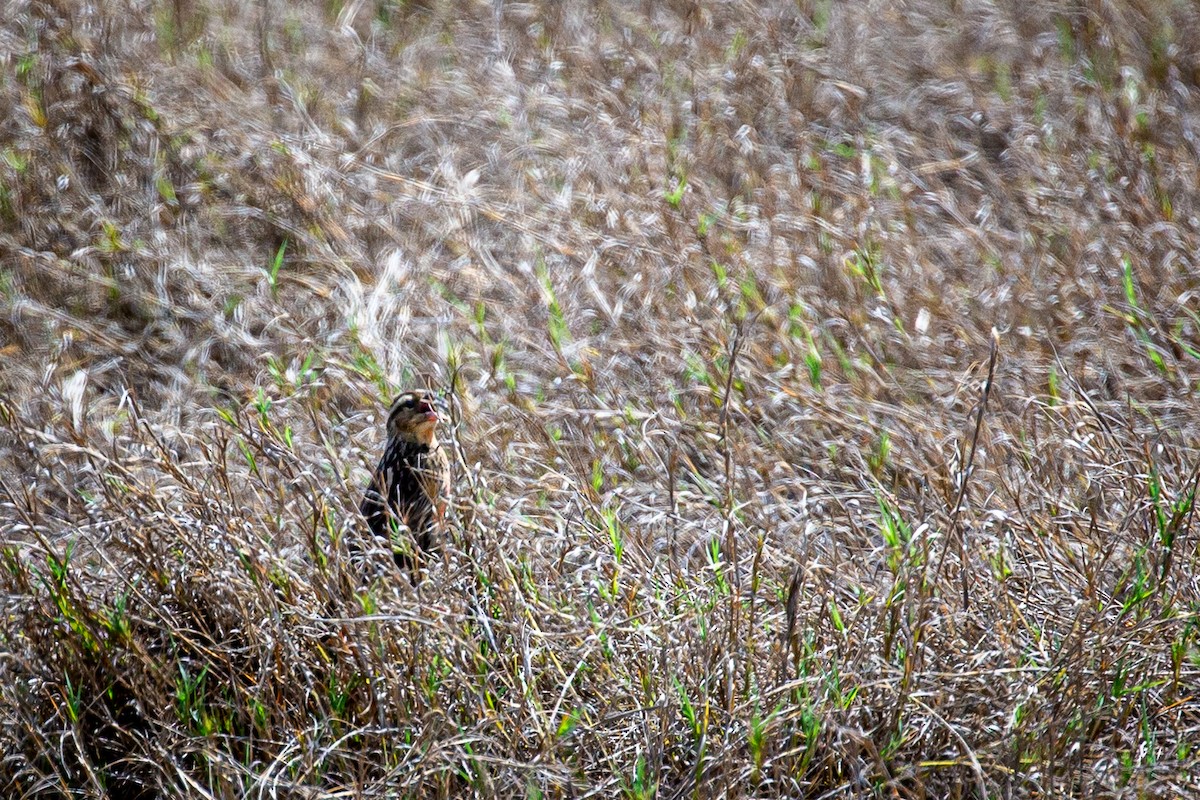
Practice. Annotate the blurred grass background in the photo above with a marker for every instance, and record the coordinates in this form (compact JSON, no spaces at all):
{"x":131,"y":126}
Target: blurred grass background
{"x":744,"y":506}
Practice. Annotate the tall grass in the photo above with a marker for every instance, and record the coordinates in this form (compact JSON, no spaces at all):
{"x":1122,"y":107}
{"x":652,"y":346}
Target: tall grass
{"x":822,"y":383}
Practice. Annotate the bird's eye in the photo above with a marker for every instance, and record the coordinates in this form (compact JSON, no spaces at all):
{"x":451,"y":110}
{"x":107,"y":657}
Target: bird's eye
{"x":410,"y":402}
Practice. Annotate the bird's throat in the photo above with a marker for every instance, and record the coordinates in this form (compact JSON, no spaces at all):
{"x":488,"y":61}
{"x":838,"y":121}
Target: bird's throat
{"x":425,"y":435}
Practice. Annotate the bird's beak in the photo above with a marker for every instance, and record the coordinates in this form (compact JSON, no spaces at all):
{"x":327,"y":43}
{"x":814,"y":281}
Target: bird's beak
{"x":427,"y":408}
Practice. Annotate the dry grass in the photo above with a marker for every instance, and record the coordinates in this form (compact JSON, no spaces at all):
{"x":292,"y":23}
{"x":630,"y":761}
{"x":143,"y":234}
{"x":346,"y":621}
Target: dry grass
{"x":712,"y":288}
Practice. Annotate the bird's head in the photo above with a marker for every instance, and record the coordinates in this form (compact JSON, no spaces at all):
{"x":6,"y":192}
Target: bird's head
{"x":413,"y":418}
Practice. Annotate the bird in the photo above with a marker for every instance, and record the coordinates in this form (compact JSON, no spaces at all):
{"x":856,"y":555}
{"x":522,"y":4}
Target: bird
{"x":411,"y":486}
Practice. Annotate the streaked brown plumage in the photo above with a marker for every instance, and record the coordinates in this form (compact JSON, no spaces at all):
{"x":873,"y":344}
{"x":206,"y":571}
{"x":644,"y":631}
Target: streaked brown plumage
{"x":411,"y":485}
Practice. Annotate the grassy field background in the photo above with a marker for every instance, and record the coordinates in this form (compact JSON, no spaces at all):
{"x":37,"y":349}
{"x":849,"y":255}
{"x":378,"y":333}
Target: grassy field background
{"x":823,"y":381}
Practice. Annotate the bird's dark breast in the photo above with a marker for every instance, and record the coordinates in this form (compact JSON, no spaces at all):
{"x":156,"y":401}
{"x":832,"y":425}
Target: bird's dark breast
{"x":399,"y":478}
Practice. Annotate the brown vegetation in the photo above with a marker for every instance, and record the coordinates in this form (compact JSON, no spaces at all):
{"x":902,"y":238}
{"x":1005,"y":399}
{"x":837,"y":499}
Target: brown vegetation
{"x":744,"y":507}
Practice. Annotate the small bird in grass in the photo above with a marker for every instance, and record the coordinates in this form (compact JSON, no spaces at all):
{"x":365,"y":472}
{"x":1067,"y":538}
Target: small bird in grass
{"x":411,"y":485}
